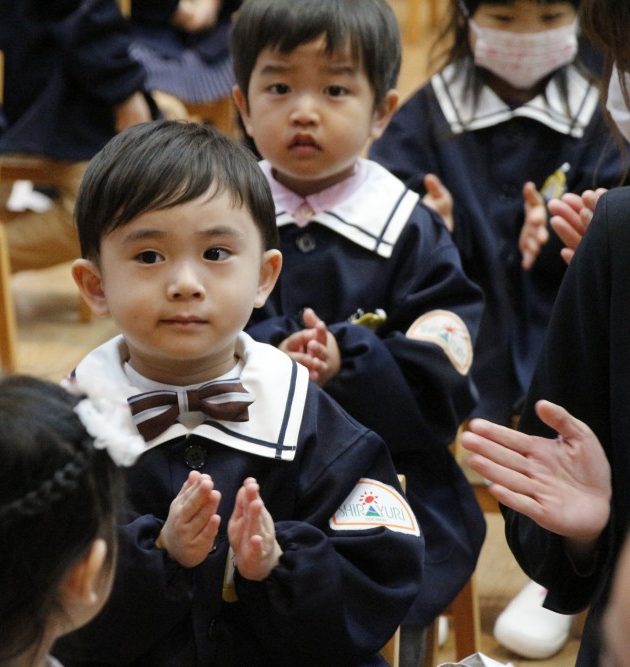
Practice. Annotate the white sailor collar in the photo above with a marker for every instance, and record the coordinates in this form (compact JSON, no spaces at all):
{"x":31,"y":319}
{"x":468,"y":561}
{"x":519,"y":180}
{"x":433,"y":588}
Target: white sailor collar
{"x":550,"y":109}
{"x":278,"y":384}
{"x":372,"y":216}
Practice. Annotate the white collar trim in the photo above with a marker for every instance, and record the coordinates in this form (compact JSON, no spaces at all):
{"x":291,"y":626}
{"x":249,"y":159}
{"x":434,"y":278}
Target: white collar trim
{"x":457,"y":105}
{"x":278,"y":384}
{"x":373,"y":216}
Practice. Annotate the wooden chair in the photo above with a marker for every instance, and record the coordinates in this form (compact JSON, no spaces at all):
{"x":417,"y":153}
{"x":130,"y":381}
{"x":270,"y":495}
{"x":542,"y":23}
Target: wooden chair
{"x":463,"y":612}
{"x":8,"y":331}
{"x":391,"y":650}
{"x":14,"y":168}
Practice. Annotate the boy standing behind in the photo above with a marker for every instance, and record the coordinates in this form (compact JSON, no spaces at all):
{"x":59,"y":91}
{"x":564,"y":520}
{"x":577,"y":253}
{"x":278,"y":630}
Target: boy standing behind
{"x":315,"y":81}
{"x":265,"y":525}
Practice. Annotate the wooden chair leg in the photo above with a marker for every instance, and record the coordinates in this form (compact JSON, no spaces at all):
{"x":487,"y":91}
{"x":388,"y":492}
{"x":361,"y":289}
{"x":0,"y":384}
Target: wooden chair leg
{"x":432,"y":646}
{"x":464,"y":614}
{"x":8,"y":335}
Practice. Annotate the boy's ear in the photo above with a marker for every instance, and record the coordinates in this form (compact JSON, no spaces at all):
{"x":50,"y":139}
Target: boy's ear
{"x":241,"y":104}
{"x":88,"y":278}
{"x":80,"y":587}
{"x":269,"y":272}
{"x":384,"y":113}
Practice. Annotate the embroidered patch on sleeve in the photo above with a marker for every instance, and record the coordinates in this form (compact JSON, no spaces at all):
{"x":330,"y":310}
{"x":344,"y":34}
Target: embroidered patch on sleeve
{"x":372,"y":504}
{"x":448,"y":331}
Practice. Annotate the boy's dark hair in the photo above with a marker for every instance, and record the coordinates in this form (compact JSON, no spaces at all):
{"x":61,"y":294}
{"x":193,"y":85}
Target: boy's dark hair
{"x":369,"y":26}
{"x":57,"y":494}
{"x":161,"y":164}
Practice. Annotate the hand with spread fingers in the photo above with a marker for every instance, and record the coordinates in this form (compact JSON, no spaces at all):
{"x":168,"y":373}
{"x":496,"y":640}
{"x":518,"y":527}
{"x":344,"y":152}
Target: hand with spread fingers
{"x":562,"y":484}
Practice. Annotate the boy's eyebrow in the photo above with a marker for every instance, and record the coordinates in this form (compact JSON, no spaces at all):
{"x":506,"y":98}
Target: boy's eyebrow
{"x":141,"y":234}
{"x":149,"y":233}
{"x":272,"y":69}
{"x":221,"y":230}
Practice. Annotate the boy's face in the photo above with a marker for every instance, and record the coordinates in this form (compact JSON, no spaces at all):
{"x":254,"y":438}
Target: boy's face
{"x":311,"y":113}
{"x":181,"y":283}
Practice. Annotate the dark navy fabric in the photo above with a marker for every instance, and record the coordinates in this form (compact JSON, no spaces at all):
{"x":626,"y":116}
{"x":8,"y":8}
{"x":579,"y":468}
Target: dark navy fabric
{"x":66,"y":63}
{"x":485,"y":171}
{"x":195,"y":67}
{"x":585,"y":367}
{"x":334,"y":599}
{"x":406,"y":390}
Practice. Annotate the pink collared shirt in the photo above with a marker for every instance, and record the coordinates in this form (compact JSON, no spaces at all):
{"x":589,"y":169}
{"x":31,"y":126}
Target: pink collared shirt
{"x":302,"y":209}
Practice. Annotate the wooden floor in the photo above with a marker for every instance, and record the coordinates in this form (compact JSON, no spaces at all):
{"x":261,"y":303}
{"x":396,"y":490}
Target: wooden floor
{"x":52,"y":340}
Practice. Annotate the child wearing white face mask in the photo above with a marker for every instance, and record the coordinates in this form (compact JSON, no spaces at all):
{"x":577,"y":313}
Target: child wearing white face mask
{"x":509,"y":123}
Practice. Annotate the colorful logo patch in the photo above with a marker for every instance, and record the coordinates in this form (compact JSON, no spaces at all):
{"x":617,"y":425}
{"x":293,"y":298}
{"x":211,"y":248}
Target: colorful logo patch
{"x":448,"y":331}
{"x":372,"y":504}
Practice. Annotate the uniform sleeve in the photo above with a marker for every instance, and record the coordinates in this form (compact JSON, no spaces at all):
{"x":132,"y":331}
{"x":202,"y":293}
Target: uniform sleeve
{"x":409,"y":380}
{"x":576,"y":359}
{"x":337,"y":595}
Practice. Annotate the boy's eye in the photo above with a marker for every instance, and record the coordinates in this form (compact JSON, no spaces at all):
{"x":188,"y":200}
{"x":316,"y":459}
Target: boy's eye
{"x":216,"y":254}
{"x":149,"y":257}
{"x":279,"y":89}
{"x":336,"y":91}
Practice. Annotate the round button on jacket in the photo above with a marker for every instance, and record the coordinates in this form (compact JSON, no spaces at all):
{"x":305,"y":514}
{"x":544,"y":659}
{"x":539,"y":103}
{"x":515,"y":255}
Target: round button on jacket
{"x":306,"y":243}
{"x":195,"y":456}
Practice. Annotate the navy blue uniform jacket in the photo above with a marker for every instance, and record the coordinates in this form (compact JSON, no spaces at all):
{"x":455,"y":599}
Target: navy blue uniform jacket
{"x":339,"y":591}
{"x":585,"y":367}
{"x":367,"y":254}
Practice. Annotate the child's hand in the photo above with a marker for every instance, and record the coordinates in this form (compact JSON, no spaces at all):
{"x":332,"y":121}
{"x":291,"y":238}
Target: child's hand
{"x":563,"y":485}
{"x":252,"y":534}
{"x":534,"y":233}
{"x":314,"y":347}
{"x":192,"y":524}
{"x":571,"y":216}
{"x":196,"y":15}
{"x":439,"y":198}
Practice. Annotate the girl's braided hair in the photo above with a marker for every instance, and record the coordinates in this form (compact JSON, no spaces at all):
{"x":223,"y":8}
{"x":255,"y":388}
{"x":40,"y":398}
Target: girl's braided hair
{"x":57,"y":494}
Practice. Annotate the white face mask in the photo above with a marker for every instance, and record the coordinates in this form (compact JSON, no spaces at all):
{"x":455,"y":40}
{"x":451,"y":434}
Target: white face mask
{"x":523,"y":59}
{"x":616,"y":104}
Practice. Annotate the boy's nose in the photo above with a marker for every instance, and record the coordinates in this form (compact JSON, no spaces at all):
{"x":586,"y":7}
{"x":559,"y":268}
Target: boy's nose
{"x":185,"y":284}
{"x":305,"y":111}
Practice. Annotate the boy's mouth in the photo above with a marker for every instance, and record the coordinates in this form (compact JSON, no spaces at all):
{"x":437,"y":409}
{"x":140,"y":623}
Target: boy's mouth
{"x":184,"y":320}
{"x":304,"y":141}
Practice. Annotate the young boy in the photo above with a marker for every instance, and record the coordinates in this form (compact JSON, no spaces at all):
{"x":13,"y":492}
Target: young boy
{"x":315,"y":81}
{"x":265,"y":525}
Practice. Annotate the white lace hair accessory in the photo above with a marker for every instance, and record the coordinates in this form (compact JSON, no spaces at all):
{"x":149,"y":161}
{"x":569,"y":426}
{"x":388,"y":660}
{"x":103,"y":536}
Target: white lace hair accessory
{"x":107,"y":418}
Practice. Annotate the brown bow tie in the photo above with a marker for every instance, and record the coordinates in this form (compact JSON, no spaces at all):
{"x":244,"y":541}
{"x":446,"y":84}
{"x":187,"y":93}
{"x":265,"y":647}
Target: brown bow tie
{"x":226,"y":401}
